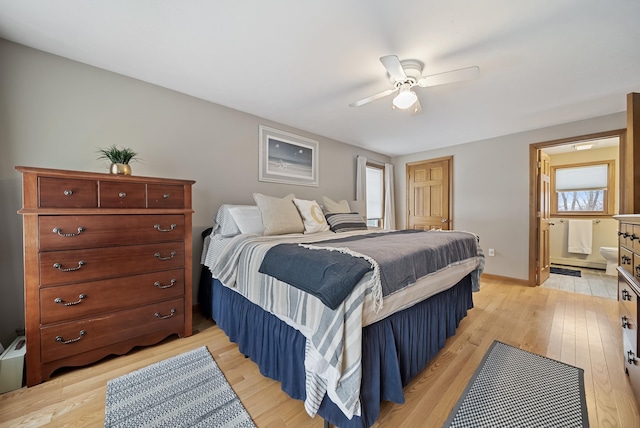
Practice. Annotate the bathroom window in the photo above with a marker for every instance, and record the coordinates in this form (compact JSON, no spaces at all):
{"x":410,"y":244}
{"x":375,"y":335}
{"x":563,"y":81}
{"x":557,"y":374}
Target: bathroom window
{"x":583,"y":189}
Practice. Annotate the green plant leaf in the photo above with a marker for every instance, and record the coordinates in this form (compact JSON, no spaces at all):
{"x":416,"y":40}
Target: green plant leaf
{"x":117,"y":155}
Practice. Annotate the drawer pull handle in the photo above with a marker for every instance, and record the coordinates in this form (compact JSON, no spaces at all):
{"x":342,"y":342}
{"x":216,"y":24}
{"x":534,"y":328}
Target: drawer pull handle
{"x":625,"y":322}
{"x":164,"y":317}
{"x":633,"y":236}
{"x":157,"y":227}
{"x":68,"y":235}
{"x":637,"y":271}
{"x":625,"y":294}
{"x":631,"y":357}
{"x":173,"y":253}
{"x":66,"y":342}
{"x":626,"y":235}
{"x":620,"y":233}
{"x":626,"y":260}
{"x":61,"y":302}
{"x":68,"y":192}
{"x":122,"y":194}
{"x":171,"y":284}
{"x":60,"y":268}
{"x":166,"y":196}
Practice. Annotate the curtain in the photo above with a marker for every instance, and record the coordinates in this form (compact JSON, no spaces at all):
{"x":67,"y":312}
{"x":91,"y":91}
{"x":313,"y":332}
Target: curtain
{"x":389,"y":202}
{"x":361,"y":178}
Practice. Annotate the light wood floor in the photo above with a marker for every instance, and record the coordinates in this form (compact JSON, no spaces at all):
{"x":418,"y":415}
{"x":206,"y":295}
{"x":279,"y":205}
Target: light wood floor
{"x":577,"y":329}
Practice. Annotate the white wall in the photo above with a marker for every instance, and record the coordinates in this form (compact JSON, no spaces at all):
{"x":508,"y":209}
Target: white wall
{"x":491,"y":189}
{"x":55,"y":113}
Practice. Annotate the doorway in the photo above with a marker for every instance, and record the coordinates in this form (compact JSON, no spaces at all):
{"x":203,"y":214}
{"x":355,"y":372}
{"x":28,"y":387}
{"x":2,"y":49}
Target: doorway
{"x":429,"y":187}
{"x":543,"y":222}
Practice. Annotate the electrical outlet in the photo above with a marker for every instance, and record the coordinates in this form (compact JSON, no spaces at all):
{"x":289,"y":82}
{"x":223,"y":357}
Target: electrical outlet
{"x":492,"y":252}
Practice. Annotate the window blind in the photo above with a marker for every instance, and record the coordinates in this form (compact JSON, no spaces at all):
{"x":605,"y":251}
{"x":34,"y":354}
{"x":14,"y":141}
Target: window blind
{"x":594,"y":177}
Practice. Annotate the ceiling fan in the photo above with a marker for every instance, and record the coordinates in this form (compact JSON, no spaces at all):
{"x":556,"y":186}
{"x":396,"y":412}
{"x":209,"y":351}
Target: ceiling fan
{"x":406,"y":74}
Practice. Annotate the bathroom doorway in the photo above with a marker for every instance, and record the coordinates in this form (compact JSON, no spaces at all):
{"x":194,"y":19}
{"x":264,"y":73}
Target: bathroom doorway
{"x":549,"y":235}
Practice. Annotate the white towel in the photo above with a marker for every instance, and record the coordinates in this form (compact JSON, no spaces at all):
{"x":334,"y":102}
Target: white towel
{"x":580,"y":236}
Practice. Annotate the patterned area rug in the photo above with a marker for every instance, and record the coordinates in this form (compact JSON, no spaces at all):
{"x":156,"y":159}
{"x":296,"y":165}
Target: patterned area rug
{"x":515,"y":388}
{"x":564,"y":271}
{"x":188,"y":390}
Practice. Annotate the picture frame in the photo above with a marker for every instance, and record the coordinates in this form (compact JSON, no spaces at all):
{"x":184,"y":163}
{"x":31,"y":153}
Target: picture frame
{"x":287,"y":158}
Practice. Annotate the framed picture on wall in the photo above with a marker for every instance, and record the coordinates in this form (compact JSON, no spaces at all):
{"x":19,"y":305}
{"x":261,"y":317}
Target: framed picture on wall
{"x":287,"y":158}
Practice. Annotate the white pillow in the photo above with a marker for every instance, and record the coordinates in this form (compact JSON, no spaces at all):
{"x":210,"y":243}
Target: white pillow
{"x":279,"y":215}
{"x":225,"y":224}
{"x":312,"y":216}
{"x":331,"y":206}
{"x":248,"y":219}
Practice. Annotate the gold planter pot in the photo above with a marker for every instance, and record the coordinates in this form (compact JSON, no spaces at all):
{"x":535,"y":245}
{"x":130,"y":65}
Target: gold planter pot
{"x":120,"y":168}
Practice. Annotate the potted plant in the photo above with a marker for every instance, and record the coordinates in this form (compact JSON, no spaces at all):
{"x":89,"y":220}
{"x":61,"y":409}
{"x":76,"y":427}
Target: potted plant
{"x":119,"y":158}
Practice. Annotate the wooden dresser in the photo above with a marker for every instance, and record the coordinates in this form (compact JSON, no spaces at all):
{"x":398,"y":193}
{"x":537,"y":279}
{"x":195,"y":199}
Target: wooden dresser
{"x":107,"y":265}
{"x":629,"y":293}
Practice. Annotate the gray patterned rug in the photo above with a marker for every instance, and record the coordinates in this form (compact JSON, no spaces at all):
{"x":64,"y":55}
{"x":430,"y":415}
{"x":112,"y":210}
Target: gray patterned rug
{"x":515,"y":388}
{"x":188,"y":390}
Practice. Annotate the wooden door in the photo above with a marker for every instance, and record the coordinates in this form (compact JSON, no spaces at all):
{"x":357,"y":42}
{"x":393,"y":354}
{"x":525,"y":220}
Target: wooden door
{"x":428,"y":194}
{"x":543,"y":213}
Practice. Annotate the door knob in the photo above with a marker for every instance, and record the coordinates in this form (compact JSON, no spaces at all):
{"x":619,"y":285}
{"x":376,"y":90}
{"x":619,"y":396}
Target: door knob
{"x":444,"y":220}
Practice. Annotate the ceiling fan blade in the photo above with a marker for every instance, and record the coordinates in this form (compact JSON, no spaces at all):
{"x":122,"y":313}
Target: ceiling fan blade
{"x":372,"y":98}
{"x":453,"y":76}
{"x":416,"y":108}
{"x":393,"y":66}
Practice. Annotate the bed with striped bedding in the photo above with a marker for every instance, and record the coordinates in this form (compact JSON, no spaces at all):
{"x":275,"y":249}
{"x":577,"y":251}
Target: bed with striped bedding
{"x":333,"y":337}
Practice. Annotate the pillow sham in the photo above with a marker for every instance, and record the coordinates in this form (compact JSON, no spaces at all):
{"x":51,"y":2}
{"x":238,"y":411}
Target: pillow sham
{"x":345,"y":222}
{"x":279,"y":215}
{"x":331,"y":206}
{"x":225,"y":224}
{"x":247,"y":218}
{"x":312,"y":216}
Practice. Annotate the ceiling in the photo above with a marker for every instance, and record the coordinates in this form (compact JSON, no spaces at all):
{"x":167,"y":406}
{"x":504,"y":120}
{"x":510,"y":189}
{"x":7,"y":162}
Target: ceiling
{"x":598,"y":143}
{"x":301,"y":63}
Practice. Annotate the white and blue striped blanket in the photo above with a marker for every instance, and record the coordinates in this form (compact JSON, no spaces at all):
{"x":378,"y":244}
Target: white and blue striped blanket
{"x":333,"y":346}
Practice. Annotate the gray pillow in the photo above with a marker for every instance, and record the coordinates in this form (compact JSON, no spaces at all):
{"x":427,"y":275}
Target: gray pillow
{"x":345,"y":222}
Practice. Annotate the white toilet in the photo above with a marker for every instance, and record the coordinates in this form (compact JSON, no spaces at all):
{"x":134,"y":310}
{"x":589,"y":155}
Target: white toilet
{"x":610,"y":254}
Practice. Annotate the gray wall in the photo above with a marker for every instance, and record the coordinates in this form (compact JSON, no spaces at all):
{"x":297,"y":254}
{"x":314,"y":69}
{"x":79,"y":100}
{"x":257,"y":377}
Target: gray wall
{"x":55,"y":113}
{"x":491,"y":189}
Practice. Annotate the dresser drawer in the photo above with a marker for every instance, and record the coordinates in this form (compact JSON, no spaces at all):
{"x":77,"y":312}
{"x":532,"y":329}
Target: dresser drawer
{"x":71,"y":338}
{"x":635,"y":270}
{"x":628,"y":299}
{"x":624,"y":234}
{"x":165,"y":196}
{"x":625,"y":260}
{"x":88,"y":231}
{"x":115,"y":194}
{"x":73,"y":266}
{"x":634,"y":237}
{"x":631,"y":365}
{"x":629,"y":329}
{"x":67,"y":193}
{"x":68,"y":302}
{"x":628,"y":312}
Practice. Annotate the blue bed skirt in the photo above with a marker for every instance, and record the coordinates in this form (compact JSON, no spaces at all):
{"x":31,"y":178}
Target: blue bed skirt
{"x":394,"y":350}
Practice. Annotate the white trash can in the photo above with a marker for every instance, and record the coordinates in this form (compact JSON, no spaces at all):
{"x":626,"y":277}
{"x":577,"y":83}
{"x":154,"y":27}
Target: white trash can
{"x":12,"y":365}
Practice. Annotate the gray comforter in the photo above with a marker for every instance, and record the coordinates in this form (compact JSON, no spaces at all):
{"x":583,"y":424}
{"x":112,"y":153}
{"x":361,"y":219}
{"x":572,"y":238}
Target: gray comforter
{"x":402,"y":256}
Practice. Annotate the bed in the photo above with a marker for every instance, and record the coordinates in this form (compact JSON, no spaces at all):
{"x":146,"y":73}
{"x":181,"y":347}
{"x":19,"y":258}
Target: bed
{"x":341,"y":354}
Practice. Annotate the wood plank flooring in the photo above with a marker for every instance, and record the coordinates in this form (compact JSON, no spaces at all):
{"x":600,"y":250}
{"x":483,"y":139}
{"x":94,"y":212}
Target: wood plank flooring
{"x":577,"y":329}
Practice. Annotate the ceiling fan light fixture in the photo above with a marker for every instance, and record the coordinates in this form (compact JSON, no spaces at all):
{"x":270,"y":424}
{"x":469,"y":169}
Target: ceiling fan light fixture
{"x":405,"y":98}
